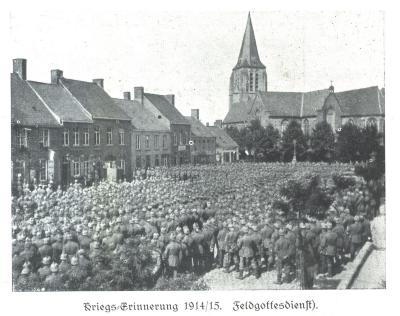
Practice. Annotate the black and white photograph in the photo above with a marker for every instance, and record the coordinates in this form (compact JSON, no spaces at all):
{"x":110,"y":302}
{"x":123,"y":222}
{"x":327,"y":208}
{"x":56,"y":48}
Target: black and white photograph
{"x":196,"y":152}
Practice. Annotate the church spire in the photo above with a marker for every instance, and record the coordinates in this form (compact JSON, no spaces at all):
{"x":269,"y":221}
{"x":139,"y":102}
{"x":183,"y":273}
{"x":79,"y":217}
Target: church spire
{"x":248,"y":56}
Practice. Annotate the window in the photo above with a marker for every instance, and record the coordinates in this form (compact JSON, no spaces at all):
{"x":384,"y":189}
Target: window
{"x":147,"y":161}
{"x":76,"y":137}
{"x":147,"y":142}
{"x":382,"y":125}
{"x":43,"y":170}
{"x":109,"y":136}
{"x":284,"y":125}
{"x":86,"y":137}
{"x":372,"y":122}
{"x":251,"y":81}
{"x":97,"y":136}
{"x":121,"y":137}
{"x":121,"y":164}
{"x":44,"y":135}
{"x":22,"y":138}
{"x":66,"y":137}
{"x":306,"y":127}
{"x":156,"y":161}
{"x":180,"y":138}
{"x":256,"y":81}
{"x":175,"y":139}
{"x":137,"y":142}
{"x":156,"y":141}
{"x":164,"y":141}
{"x":86,"y":168}
{"x":350,"y":121}
{"x":76,"y":169}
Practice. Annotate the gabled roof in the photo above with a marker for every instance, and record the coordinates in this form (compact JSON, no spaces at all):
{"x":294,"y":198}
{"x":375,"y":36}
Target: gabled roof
{"x":197,"y":128}
{"x":61,"y":102}
{"x":223,"y":140}
{"x":141,"y":118}
{"x":94,"y":99}
{"x":313,"y":101}
{"x":240,"y":112}
{"x":26,"y":107}
{"x":282,"y":103}
{"x":248,"y":56}
{"x":366,"y":101}
{"x":166,"y":108}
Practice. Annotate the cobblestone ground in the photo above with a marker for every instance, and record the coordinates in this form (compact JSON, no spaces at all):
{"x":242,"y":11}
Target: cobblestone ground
{"x":219,"y":280}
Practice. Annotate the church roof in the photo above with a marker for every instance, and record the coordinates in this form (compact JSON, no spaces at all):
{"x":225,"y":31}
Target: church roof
{"x":361,"y":102}
{"x":166,"y":108}
{"x":141,"y":118}
{"x":26,"y":107}
{"x":222,"y":139}
{"x":248,"y":56}
{"x":358,"y":102}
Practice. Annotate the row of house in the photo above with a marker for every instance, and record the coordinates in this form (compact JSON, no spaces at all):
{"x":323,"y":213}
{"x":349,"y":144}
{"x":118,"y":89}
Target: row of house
{"x":70,"y":129}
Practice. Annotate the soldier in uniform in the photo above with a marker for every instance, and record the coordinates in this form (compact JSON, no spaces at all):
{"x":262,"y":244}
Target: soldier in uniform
{"x":198,"y":249}
{"x":355,"y":231}
{"x":187,"y":240}
{"x":231,"y":249}
{"x":282,"y":251}
{"x":44,"y":271}
{"x":173,"y":255}
{"x":266,"y":234}
{"x":329,"y":242}
{"x":221,"y":244}
{"x":54,"y":281}
{"x":71,"y":247}
{"x":45,"y":249}
{"x":366,"y":229}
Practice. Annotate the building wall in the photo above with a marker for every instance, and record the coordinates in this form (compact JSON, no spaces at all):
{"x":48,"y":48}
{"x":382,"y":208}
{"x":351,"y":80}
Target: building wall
{"x":203,"y":150}
{"x":26,"y":159}
{"x":243,"y":83}
{"x":226,"y":155}
{"x":180,"y":149}
{"x":143,"y":156}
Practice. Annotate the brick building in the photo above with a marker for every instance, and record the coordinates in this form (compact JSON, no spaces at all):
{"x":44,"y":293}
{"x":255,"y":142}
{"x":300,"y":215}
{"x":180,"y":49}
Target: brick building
{"x":203,"y":141}
{"x":250,"y":99}
{"x":163,"y":108}
{"x":73,"y":130}
{"x":150,"y":136}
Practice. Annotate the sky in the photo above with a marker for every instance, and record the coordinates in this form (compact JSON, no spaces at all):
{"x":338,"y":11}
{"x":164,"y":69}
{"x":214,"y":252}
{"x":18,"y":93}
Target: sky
{"x":191,"y":54}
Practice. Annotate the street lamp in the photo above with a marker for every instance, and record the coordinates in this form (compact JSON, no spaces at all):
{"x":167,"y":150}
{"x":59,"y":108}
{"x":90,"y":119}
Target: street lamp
{"x":294,"y":160}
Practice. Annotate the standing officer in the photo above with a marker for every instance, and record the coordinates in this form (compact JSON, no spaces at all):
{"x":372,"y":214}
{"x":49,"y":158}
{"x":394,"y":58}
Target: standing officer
{"x":355,"y":231}
{"x":282,"y":251}
{"x":231,"y":249}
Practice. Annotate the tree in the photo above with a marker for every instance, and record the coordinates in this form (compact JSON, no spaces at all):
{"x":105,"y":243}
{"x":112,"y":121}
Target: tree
{"x":371,"y":141}
{"x":293,"y":132}
{"x":270,"y":143}
{"x":349,"y":143}
{"x":322,"y":142}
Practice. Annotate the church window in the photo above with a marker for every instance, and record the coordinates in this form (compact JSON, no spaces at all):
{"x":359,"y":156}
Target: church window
{"x":306,"y":127}
{"x":256,"y":81}
{"x":372,"y":121}
{"x":284,"y":125}
{"x":382,"y":125}
{"x":251,"y":81}
{"x":330,"y":118}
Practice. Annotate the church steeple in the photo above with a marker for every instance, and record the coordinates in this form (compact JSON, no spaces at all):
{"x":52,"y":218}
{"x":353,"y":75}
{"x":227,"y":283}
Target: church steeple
{"x":249,"y":76}
{"x":248,"y":56}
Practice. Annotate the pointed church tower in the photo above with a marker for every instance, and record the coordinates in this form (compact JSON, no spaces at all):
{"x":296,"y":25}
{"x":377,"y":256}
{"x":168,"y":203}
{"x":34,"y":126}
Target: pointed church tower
{"x":249,"y":74}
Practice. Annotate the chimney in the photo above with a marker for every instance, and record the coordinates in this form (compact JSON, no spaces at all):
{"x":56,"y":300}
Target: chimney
{"x":139,"y":94}
{"x":195,"y":114}
{"x":127,"y":95}
{"x":19,"y":67}
{"x":56,"y":75}
{"x":170,"y":98}
{"x":218,"y":123}
{"x":99,"y":82}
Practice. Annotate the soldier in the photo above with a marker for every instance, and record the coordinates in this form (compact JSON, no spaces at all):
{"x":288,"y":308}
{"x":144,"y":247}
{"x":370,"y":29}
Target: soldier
{"x":84,"y":240}
{"x":76,"y":275}
{"x":45,"y":249}
{"x":57,"y":247}
{"x":187,"y":240}
{"x":173,"y":255}
{"x":54,"y":281}
{"x":198,"y":249}
{"x":355,"y":231}
{"x":70,"y":247}
{"x":221,"y":244}
{"x":64,"y":265}
{"x":340,"y":232}
{"x":282,"y":251}
{"x":307,"y":259}
{"x":44,"y":271}
{"x":366,"y":229}
{"x":246,"y":248}
{"x":266,"y":234}
{"x":231,"y":249}
{"x":329,"y":242}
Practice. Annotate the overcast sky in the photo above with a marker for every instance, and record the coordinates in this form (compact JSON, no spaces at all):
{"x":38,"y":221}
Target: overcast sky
{"x":192,"y":54}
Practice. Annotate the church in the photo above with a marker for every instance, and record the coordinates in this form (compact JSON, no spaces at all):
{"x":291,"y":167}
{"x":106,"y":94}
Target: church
{"x":250,"y":99}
